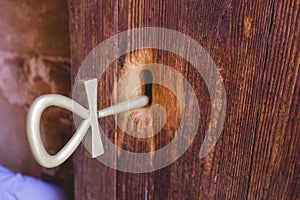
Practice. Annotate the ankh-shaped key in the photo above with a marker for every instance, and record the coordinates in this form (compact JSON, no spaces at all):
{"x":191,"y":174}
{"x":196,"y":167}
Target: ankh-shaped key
{"x":88,"y":129}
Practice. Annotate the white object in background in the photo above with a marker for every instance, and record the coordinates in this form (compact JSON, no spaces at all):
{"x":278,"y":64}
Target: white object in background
{"x":88,"y":128}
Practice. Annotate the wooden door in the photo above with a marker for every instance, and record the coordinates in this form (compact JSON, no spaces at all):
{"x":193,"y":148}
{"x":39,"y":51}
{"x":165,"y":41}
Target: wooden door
{"x":256,"y":47}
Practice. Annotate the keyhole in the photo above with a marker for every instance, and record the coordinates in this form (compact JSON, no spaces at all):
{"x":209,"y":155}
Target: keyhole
{"x":148,"y":78}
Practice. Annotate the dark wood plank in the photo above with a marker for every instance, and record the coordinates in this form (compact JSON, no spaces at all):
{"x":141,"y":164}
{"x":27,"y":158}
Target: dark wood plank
{"x":136,"y":14}
{"x":256,"y":48}
{"x":91,"y":22}
{"x":275,"y":166}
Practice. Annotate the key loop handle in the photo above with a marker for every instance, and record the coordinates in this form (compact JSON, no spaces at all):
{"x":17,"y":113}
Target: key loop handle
{"x":88,"y":130}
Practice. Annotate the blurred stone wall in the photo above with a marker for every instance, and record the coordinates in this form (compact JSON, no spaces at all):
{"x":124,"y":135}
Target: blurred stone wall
{"x":34,"y":60}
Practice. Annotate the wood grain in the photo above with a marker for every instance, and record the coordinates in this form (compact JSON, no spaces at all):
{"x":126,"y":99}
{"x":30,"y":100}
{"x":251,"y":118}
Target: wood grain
{"x":275,"y":163}
{"x":92,"y":179}
{"x":256,"y":46}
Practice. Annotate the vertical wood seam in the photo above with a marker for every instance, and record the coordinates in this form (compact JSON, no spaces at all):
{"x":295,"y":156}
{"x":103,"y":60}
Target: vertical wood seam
{"x":259,"y":98}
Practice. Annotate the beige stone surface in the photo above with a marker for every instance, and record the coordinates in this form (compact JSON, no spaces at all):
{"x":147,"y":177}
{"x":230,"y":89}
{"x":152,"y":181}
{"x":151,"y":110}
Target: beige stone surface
{"x":22,"y":79}
{"x":35,"y":27}
{"x":34,"y":60}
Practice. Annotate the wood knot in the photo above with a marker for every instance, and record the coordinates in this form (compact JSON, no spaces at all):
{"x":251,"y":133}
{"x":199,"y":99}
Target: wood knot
{"x":248,"y":26}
